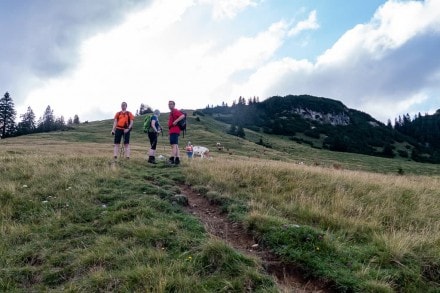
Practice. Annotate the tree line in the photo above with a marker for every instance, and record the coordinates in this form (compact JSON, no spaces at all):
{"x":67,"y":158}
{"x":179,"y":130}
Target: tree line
{"x":46,"y":123}
{"x":28,"y":123}
{"x":360,"y":133}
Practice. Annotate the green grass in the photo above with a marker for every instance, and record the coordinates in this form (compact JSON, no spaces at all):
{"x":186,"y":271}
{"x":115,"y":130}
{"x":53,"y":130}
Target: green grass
{"x":72,"y":221}
{"x":363,"y":231}
{"x":69,"y":220}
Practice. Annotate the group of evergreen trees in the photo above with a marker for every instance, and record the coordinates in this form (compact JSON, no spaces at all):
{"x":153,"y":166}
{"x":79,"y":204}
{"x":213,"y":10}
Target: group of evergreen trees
{"x":363,"y":134}
{"x":28,"y":124}
{"x":48,"y":122}
{"x":144,"y":109}
{"x":426,"y":131}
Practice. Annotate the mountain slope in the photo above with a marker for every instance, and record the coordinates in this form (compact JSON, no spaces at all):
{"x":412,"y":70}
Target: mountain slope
{"x":320,"y":122}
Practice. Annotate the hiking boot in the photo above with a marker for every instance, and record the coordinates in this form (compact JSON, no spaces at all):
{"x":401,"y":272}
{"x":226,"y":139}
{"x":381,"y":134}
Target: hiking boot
{"x":177,"y":161}
{"x":171,"y":161}
{"x":152,"y":160}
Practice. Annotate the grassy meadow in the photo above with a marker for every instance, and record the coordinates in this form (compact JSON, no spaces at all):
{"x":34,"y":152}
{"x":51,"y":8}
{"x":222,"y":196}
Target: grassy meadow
{"x":70,"y":220}
{"x":365,"y":231}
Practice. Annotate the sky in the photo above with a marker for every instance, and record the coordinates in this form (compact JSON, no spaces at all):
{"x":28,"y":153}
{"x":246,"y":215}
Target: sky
{"x":86,"y":57}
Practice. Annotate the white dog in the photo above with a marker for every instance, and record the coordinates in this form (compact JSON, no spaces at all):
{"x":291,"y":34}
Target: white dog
{"x":200,"y":151}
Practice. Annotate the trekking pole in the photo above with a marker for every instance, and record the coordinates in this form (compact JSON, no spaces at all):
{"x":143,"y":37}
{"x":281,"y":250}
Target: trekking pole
{"x":121,"y":149}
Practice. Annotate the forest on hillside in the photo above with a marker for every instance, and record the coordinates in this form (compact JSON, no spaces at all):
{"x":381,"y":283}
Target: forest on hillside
{"x":334,"y":126}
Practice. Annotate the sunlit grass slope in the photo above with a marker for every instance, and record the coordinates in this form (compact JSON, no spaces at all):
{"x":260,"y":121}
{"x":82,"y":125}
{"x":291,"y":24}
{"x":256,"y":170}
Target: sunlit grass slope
{"x":363,"y":230}
{"x":71,"y":221}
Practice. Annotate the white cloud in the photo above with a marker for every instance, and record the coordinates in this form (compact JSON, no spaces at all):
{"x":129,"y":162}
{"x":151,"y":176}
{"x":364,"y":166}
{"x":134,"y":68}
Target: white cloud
{"x":389,"y":109}
{"x":386,"y":66}
{"x":311,"y":23}
{"x":394,"y":24}
{"x":260,"y":83}
{"x":228,"y":8}
{"x":151,"y":62}
{"x":43,"y":37}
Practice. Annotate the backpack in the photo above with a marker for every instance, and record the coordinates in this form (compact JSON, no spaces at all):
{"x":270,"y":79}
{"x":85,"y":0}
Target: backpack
{"x":182,"y":124}
{"x":147,"y":122}
{"x":127,"y":113}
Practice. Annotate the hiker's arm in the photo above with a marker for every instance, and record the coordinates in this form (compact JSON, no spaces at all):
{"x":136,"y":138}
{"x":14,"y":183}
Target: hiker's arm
{"x":131,"y":119}
{"x":178,"y":119}
{"x":114,"y":126}
{"x":153,"y":125}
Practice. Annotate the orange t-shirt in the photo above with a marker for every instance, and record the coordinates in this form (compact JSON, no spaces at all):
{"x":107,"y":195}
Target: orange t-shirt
{"x":123,"y":119}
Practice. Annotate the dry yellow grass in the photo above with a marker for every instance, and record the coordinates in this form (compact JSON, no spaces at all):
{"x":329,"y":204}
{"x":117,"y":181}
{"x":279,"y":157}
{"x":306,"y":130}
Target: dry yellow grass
{"x":401,"y":212}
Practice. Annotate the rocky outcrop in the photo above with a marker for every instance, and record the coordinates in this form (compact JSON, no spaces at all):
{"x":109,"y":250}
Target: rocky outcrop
{"x":324,"y":118}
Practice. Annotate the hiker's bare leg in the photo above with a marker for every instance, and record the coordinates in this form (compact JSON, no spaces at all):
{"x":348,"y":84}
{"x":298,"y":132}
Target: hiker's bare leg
{"x":174,"y":150}
{"x":116,"y":150}
{"x":127,"y":150}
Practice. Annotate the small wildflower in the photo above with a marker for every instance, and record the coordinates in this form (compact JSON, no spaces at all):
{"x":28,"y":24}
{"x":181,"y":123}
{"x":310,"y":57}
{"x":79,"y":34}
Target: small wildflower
{"x":44,"y":201}
{"x":317,"y":248}
{"x":24,"y":186}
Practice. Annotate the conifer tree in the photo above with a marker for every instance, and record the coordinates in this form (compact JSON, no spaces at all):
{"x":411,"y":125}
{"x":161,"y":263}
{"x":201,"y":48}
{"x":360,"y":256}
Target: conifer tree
{"x":233,"y":129}
{"x":47,"y":122}
{"x":7,"y":116}
{"x":240,"y":132}
{"x":27,"y":124}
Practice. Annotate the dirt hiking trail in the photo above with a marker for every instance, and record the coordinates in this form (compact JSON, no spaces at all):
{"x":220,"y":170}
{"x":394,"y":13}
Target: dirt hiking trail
{"x":288,"y":276}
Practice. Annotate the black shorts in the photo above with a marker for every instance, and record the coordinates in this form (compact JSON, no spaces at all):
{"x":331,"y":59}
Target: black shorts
{"x":152,"y":136}
{"x":119,"y":133}
{"x":174,"y":138}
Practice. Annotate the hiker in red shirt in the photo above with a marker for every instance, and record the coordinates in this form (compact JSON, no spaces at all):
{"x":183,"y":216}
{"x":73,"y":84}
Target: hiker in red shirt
{"x":174,"y":132}
{"x":121,"y":127}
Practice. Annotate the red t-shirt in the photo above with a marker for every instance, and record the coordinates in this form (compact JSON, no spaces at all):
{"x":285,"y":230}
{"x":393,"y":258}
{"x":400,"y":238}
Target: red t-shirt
{"x":174,"y":114}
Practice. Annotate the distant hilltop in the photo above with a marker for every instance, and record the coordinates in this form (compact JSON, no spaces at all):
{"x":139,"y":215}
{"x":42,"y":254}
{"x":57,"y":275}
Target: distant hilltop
{"x":329,"y":124}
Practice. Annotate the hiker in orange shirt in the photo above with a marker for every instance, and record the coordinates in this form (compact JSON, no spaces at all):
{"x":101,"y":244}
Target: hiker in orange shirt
{"x":122,"y":126}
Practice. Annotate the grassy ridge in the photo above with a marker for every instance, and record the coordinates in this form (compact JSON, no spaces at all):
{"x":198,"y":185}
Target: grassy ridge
{"x":362,"y":230}
{"x":69,"y":220}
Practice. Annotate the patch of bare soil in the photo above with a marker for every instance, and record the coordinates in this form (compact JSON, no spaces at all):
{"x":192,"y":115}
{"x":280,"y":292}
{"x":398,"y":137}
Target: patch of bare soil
{"x":289,"y":277}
